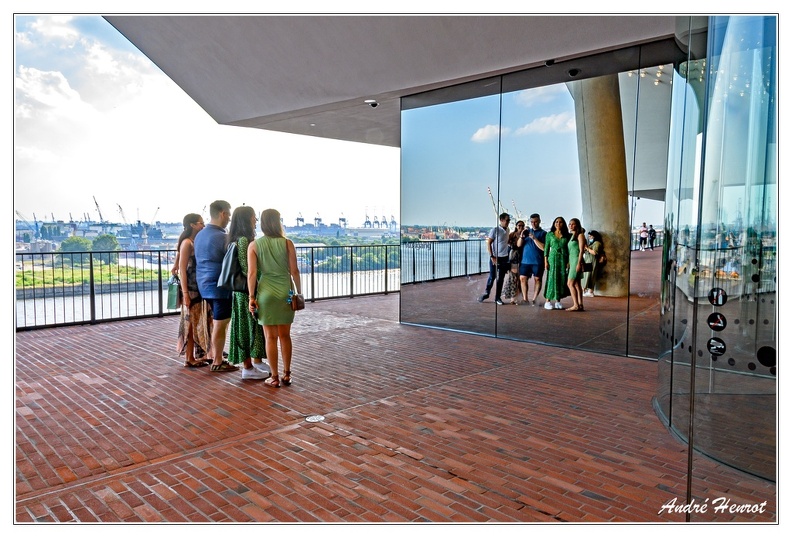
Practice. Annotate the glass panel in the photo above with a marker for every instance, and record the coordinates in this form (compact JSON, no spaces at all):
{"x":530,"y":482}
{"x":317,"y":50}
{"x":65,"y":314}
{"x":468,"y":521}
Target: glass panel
{"x":735,"y":412}
{"x":646,"y":106}
{"x":449,"y":161}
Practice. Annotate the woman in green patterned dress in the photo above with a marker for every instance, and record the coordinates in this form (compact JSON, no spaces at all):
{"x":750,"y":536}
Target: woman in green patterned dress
{"x":556,"y":255}
{"x":275,"y":259}
{"x":247,"y":339}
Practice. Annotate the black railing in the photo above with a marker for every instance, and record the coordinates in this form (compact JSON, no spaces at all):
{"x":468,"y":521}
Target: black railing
{"x":71,"y":288}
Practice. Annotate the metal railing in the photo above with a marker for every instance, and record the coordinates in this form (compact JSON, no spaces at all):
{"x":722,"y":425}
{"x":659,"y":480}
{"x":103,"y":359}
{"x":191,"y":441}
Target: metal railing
{"x":71,"y":288}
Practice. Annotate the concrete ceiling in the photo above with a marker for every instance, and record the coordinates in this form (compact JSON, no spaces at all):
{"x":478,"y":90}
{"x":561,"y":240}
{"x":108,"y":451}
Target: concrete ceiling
{"x":310,"y":75}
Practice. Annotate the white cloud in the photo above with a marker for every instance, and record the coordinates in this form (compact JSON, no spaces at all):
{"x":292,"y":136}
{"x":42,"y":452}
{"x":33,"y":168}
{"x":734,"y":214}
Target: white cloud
{"x":555,"y":123}
{"x":57,"y":27}
{"x":537,"y":96}
{"x":489,"y":132}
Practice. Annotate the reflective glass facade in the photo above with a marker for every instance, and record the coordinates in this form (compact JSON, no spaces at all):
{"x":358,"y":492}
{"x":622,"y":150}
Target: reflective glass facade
{"x":690,"y":122}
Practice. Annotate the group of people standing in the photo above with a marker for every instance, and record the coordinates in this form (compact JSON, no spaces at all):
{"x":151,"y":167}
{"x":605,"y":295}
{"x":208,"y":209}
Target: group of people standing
{"x":570,"y":257}
{"x":261,"y":319}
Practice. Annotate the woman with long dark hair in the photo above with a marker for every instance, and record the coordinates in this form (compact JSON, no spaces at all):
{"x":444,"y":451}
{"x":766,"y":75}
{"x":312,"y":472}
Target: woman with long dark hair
{"x":576,"y":247}
{"x":556,"y":255}
{"x":274,"y":257}
{"x":195,"y":325}
{"x":247,"y":338}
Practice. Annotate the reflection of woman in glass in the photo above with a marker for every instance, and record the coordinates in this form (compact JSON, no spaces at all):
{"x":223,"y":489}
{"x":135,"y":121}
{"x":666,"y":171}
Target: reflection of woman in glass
{"x":577,"y":246}
{"x":556,"y":255}
{"x":591,"y":255}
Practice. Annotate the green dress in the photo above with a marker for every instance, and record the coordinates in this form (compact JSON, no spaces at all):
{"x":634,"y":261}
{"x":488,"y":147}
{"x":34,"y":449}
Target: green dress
{"x":274,"y":282}
{"x":574,"y":254}
{"x":247,"y":338}
{"x":557,"y":253}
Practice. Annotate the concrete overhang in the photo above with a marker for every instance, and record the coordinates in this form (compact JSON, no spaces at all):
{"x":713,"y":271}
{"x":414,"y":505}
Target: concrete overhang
{"x":311,"y":75}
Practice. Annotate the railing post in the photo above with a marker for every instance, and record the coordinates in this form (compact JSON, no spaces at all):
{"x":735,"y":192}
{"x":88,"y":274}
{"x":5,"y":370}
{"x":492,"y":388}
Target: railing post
{"x":450,"y":259}
{"x":351,"y":273}
{"x":159,"y":281}
{"x":386,"y":269}
{"x":313,"y":280}
{"x":414,"y":263}
{"x":91,"y":287}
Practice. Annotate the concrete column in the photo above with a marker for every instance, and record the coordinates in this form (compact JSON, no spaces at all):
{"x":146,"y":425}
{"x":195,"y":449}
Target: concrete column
{"x":603,"y":176}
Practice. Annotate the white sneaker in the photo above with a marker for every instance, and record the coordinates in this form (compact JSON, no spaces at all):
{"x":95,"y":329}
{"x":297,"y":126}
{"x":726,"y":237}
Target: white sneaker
{"x":263,"y":366}
{"x":548,"y":305}
{"x":559,"y":306}
{"x":588,"y":294}
{"x":253,"y":373}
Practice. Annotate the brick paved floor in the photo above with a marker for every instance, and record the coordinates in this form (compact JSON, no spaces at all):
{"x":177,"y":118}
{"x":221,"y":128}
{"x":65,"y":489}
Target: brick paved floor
{"x":420,"y":425}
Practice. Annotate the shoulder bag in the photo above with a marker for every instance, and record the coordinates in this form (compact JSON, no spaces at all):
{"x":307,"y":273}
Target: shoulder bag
{"x":231,"y":276}
{"x":296,"y":300}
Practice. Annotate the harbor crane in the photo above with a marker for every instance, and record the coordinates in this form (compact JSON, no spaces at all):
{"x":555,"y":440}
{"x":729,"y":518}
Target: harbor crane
{"x":317,"y":220}
{"x":367,"y":222}
{"x":33,"y":227}
{"x":102,"y":221}
{"x":300,"y":219}
{"x":342,"y":221}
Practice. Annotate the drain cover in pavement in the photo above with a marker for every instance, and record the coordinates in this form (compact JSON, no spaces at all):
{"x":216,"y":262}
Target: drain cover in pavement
{"x":314,"y":418}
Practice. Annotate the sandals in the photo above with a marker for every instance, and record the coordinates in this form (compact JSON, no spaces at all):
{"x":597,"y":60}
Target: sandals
{"x":196,"y":364}
{"x":272,"y":381}
{"x":224,"y":366}
{"x":286,"y":378}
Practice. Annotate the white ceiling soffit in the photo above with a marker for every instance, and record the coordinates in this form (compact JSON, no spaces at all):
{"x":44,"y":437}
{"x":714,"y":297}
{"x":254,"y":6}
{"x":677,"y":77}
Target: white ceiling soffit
{"x":310,"y":75}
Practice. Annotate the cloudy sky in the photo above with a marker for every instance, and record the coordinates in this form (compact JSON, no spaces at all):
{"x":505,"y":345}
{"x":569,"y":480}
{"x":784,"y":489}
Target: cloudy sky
{"x":95,"y":118}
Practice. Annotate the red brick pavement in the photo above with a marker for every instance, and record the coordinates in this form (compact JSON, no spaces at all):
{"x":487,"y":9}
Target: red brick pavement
{"x":420,"y":425}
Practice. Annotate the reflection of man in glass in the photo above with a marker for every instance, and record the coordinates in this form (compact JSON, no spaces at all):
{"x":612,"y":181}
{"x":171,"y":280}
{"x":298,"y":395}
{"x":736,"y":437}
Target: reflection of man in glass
{"x":532,"y":263}
{"x":498,"y":248}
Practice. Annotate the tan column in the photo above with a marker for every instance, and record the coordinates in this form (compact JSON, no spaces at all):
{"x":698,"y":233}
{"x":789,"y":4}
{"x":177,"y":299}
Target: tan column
{"x":603,"y":176}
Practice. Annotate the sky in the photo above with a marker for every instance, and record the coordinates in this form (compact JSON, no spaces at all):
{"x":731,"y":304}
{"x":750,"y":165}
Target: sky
{"x":94,"y":118}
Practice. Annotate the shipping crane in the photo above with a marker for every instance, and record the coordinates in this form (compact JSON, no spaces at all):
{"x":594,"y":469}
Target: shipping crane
{"x":300,"y":219}
{"x":367,"y":222}
{"x":33,"y":228}
{"x":102,"y":221}
{"x":317,"y":220}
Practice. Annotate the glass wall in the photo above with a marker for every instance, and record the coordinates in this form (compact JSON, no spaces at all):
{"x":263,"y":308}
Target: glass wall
{"x":717,"y":371}
{"x":692,"y":123}
{"x":520,"y":144}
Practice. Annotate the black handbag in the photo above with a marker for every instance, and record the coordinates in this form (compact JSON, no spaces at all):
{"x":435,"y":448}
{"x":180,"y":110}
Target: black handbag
{"x":231,"y":276}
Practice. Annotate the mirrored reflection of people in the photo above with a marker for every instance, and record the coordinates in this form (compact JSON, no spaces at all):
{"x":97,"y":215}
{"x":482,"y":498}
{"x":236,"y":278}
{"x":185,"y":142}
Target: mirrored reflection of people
{"x":652,"y":235}
{"x":532,"y":242}
{"x":246,"y":341}
{"x":210,"y":247}
{"x":195,"y":325}
{"x":274,"y":259}
{"x":556,"y":259}
{"x":498,"y":249}
{"x":643,"y":235}
{"x":511,"y":284}
{"x":592,"y":253}
{"x":577,"y":247}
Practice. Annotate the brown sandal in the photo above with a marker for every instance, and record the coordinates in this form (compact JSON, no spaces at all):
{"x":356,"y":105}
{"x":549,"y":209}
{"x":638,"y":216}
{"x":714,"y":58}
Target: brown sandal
{"x":195,"y":364}
{"x":286,"y":378}
{"x":272,"y":381}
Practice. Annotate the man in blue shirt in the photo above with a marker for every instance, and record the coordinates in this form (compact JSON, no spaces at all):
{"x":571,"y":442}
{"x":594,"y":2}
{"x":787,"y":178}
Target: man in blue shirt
{"x":532,"y":263}
{"x":498,"y":248}
{"x":210,"y":247}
